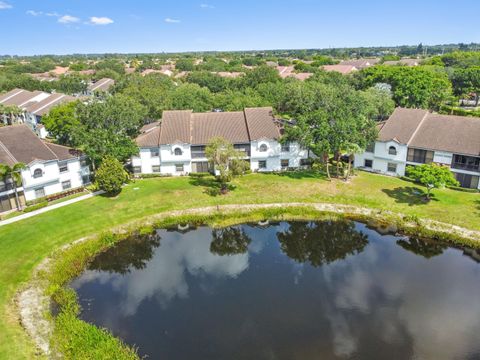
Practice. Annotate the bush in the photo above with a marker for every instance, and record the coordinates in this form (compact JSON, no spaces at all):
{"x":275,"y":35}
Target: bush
{"x":151,"y":176}
{"x":458,"y":188}
{"x":111,"y":176}
{"x":37,"y":206}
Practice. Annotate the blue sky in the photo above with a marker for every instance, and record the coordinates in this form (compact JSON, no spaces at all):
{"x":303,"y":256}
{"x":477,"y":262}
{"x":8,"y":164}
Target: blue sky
{"x":98,"y":26}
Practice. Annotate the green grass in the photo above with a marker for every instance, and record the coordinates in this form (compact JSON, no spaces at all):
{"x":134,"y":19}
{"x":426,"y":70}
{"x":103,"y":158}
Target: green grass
{"x":24,"y":244}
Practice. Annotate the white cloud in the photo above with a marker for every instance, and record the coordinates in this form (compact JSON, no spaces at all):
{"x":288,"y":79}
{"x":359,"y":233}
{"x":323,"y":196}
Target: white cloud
{"x":34,"y":13}
{"x":172,"y":21}
{"x":53,"y":14}
{"x":4,"y":5}
{"x":68,"y":19}
{"x":207,"y":6}
{"x":94,"y":20}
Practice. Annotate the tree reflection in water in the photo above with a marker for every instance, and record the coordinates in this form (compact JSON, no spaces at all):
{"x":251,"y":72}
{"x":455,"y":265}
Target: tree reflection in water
{"x":423,"y":247}
{"x":134,"y":252}
{"x":229,"y":241}
{"x":321,"y":242}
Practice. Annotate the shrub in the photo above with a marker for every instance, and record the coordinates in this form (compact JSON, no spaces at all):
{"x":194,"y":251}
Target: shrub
{"x":37,"y":206}
{"x":111,"y":175}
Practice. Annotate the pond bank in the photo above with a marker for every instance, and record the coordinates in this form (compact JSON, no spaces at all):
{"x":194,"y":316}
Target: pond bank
{"x":33,"y":302}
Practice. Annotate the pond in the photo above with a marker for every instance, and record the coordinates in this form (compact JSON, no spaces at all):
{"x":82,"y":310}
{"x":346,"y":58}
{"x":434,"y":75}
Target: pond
{"x":288,"y":290}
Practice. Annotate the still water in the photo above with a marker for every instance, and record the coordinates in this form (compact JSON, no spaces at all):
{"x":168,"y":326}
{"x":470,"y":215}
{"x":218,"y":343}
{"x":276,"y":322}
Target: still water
{"x":289,"y":290}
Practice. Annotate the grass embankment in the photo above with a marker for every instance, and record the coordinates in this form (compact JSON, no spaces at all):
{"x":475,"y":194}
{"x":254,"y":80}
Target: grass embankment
{"x":24,"y":244}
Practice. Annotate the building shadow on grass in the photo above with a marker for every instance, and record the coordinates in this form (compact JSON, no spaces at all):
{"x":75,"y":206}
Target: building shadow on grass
{"x":299,"y":174}
{"x":409,"y":195}
{"x":211,"y":186}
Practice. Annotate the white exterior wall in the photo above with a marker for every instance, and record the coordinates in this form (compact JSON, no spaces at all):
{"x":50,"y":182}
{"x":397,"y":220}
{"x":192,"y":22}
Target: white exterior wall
{"x":381,"y":158}
{"x":51,"y":180}
{"x":167,"y":159}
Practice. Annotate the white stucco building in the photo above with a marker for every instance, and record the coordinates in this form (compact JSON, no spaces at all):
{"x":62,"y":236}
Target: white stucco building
{"x":34,"y":105}
{"x":176,"y":146}
{"x":415,"y":136}
{"x":51,"y":168}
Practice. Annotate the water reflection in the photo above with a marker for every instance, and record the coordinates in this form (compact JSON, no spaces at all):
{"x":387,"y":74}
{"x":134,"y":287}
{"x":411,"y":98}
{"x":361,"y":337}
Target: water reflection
{"x":322,"y":242}
{"x":287,"y":291}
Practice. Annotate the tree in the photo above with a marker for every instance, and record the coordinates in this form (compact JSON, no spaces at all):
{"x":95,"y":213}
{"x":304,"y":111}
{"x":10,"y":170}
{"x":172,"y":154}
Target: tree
{"x":466,"y":82}
{"x":260,"y":75}
{"x":61,"y":121}
{"x":111,"y":175}
{"x":10,"y":114}
{"x":432,"y":176}
{"x":224,"y":159}
{"x":191,"y":96}
{"x":107,"y":126}
{"x":14,"y":174}
{"x":71,"y":84}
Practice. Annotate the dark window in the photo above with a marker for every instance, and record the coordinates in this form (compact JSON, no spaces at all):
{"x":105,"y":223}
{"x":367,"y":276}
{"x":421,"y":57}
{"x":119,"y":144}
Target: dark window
{"x":392,"y":167}
{"x":286,"y":147}
{"x":178,"y":151}
{"x":200,"y":167}
{"x":39,"y":193}
{"x":263,"y":148}
{"x":368,"y":163}
{"x":63,"y":167}
{"x":156,"y":168}
{"x":179,"y":167}
{"x":305,"y":162}
{"x":262,"y":164}
{"x":370,"y":148}
{"x":467,"y":180}
{"x":38,"y":173}
{"x":5,"y":203}
{"x":243,"y":148}
{"x":420,"y":156}
{"x":137,"y":169}
{"x":86,"y":179}
{"x":392,"y":150}
{"x":466,"y":162}
{"x":66,"y":184}
{"x":154,"y":152}
{"x":198,"y":152}
{"x":83,"y":162}
{"x":284,"y":163}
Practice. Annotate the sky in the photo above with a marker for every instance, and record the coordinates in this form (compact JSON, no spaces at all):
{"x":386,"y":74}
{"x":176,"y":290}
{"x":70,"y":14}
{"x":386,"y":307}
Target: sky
{"x":32,"y":27}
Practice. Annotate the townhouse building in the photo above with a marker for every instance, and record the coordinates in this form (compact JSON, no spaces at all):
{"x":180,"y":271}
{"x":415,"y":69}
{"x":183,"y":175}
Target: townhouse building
{"x":51,"y":168}
{"x":176,"y":145}
{"x":415,"y":136}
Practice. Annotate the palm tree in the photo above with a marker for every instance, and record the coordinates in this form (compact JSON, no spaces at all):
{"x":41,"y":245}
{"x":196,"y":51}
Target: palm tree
{"x":14,"y":173}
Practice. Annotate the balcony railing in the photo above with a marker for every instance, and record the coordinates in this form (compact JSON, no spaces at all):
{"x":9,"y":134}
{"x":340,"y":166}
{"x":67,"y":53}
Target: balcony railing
{"x":469,"y":163}
{"x":468,"y":167}
{"x":6,"y":187}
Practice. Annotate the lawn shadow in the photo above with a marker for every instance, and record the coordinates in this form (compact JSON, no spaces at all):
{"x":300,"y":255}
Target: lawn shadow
{"x":299,"y":174}
{"x":409,"y":195}
{"x":209,"y":183}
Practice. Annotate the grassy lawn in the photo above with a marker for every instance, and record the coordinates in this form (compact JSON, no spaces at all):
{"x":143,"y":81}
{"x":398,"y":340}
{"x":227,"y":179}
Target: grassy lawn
{"x":24,"y":244}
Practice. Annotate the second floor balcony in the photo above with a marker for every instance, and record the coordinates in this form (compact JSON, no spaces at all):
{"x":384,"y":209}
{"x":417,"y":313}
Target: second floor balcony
{"x":468,"y":163}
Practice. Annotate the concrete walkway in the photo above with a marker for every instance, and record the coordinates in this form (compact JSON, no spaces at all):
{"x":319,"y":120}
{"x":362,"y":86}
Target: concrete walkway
{"x":49,"y":208}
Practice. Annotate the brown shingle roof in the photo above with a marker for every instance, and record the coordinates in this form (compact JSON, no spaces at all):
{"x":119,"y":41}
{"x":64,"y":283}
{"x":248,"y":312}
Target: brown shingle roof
{"x":18,"y":97}
{"x":260,"y":122}
{"x":455,"y":134}
{"x":422,"y":129}
{"x":198,"y":128}
{"x":102,"y":85}
{"x":42,"y":107}
{"x":342,"y":69}
{"x":229,"y":125}
{"x":402,"y":124}
{"x":360,"y":63}
{"x":175,"y":127}
{"x":20,"y":144}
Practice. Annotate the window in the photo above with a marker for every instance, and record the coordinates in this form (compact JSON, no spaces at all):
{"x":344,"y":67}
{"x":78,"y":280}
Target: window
{"x":419,"y":156}
{"x":466,"y":162}
{"x":370,"y":147}
{"x":284,"y":163}
{"x":39,"y":193}
{"x":262,"y":164}
{"x":286,"y":147}
{"x":156,"y":168}
{"x":38,"y":173}
{"x":83,"y":162}
{"x":137,"y":169}
{"x":63,"y":167}
{"x":5,"y":203}
{"x":263,"y":148}
{"x":86,"y":179}
{"x":179,"y":167}
{"x":178,"y":151}
{"x":467,"y":181}
{"x":66,"y":184}
{"x":305,"y":162}
{"x":392,"y":150}
{"x":368,"y":163}
{"x":154,"y":152}
{"x":392,"y":167}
